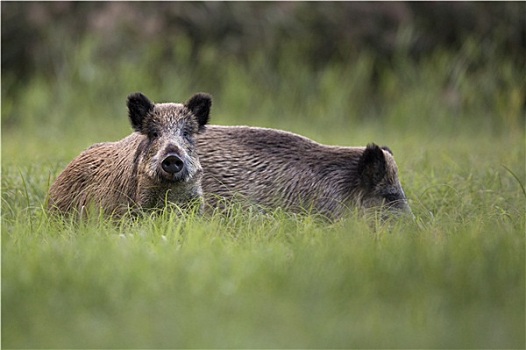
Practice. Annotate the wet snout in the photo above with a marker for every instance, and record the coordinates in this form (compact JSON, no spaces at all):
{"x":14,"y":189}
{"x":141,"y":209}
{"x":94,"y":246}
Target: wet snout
{"x":400,"y":207}
{"x":172,"y":163}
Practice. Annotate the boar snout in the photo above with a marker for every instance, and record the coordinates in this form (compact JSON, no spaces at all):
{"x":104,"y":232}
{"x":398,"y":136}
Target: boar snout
{"x":172,"y":164}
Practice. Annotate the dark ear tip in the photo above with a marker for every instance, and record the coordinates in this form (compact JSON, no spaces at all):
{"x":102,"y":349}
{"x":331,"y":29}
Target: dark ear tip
{"x":136,"y":96}
{"x":373,"y":148}
{"x":201,"y":97}
{"x":385,"y":148}
{"x":372,"y":165}
{"x":372,"y":154}
{"x":200,"y":104}
{"x":138,"y":107}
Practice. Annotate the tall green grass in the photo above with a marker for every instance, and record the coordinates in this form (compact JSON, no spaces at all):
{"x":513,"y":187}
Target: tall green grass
{"x":453,"y":277}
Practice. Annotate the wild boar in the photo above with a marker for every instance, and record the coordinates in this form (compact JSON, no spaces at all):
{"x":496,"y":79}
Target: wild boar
{"x":156,"y":165}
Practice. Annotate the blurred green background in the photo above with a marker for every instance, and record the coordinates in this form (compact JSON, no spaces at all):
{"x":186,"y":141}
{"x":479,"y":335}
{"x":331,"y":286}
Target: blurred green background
{"x":418,"y":67}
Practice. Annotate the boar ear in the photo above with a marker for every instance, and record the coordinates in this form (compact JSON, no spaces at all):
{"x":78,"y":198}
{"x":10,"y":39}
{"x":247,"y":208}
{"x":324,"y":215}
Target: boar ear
{"x":372,"y":165}
{"x":138,"y":107}
{"x":199,"y":105}
{"x":385,"y":148}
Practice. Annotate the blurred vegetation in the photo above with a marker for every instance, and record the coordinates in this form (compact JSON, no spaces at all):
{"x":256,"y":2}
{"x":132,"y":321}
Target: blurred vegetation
{"x":319,"y":32}
{"x":467,"y":57}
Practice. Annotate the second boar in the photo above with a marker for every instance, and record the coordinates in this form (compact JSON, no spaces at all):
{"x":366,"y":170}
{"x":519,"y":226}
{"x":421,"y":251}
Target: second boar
{"x":272,"y":168}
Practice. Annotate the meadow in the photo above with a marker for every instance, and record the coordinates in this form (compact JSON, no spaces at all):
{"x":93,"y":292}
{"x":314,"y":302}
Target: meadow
{"x":454,"y":277}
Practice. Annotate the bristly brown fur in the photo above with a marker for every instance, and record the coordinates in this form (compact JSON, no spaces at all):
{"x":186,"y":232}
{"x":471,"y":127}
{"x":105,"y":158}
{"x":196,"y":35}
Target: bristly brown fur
{"x":129,"y":174}
{"x":272,"y":168}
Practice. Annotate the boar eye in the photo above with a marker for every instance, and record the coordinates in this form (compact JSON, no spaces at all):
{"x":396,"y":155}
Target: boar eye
{"x":186,"y":134}
{"x":155,"y":134}
{"x":391,"y":197}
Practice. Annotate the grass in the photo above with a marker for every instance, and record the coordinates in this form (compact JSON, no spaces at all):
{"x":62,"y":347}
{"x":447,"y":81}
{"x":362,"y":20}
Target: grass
{"x":452,"y":278}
